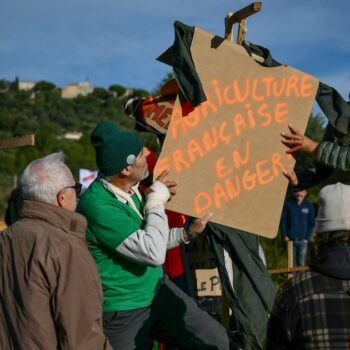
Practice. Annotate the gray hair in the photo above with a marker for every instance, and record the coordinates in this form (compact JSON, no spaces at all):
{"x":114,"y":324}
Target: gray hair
{"x":43,"y":178}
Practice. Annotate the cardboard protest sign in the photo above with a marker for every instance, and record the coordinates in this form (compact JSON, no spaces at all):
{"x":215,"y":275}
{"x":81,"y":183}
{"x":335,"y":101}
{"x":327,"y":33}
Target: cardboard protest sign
{"x":208,"y":282}
{"x":86,"y":177}
{"x":203,"y":266}
{"x":227,"y":155}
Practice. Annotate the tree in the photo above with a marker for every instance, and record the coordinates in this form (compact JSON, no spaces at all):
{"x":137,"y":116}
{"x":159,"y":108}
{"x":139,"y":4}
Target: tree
{"x":141,"y":93}
{"x":100,"y":93}
{"x":44,"y":86}
{"x":118,"y":89}
{"x":14,"y":85}
{"x":4,"y":85}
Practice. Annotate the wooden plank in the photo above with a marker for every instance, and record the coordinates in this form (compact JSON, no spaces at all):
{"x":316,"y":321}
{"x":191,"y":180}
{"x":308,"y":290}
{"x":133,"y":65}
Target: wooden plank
{"x":238,"y":16}
{"x":288,"y":270}
{"x":228,"y":26}
{"x":241,"y":31}
{"x":27,"y":140}
{"x":247,"y":11}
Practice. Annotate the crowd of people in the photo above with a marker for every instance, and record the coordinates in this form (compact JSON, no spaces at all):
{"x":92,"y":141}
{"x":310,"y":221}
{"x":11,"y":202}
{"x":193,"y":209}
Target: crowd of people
{"x":90,"y":276}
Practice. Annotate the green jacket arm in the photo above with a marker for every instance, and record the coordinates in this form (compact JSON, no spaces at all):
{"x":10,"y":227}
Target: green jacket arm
{"x":333,"y":155}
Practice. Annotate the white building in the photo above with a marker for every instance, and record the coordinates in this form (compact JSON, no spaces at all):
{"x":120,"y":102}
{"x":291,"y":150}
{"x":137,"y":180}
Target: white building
{"x":77,"y":89}
{"x":26,"y":85}
{"x":73,"y":135}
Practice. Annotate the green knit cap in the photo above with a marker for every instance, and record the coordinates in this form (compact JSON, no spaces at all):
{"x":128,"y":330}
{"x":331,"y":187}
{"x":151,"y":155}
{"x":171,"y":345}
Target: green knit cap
{"x":115,"y":149}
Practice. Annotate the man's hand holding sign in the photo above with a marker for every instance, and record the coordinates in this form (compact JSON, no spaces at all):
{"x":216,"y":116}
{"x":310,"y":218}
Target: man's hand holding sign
{"x":297,"y":142}
{"x":162,"y":190}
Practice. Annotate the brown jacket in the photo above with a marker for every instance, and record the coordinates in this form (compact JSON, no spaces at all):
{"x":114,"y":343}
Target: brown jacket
{"x":50,"y":294}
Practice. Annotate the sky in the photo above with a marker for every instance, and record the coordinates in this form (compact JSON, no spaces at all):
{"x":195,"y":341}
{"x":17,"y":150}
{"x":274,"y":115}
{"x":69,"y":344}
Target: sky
{"x":117,"y":42}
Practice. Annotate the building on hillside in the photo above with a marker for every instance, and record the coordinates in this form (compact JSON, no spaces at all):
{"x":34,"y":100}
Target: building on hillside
{"x":73,"y":135}
{"x":26,"y":85}
{"x":77,"y":89}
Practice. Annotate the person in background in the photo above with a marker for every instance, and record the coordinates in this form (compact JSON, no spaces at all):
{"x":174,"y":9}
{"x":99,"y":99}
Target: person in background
{"x":297,"y":224}
{"x":312,"y":309}
{"x":50,"y":292}
{"x":128,"y":236}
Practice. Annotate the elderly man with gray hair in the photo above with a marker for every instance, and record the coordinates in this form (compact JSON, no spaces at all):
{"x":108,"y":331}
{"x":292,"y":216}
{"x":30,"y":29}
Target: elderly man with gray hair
{"x":312,"y":310}
{"x":50,"y":296}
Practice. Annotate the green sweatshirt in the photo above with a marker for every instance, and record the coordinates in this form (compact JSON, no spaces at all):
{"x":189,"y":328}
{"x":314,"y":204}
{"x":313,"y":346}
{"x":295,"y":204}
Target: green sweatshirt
{"x":126,"y":284}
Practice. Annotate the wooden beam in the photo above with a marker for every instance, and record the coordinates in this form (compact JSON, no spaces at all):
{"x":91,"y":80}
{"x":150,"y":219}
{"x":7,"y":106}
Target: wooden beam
{"x":241,"y":31}
{"x":247,"y":11}
{"x":228,"y":26}
{"x":288,"y":270}
{"x":238,"y":16}
{"x":27,"y":140}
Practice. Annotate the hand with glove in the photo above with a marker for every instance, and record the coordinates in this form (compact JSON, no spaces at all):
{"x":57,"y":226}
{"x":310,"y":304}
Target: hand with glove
{"x":160,"y":191}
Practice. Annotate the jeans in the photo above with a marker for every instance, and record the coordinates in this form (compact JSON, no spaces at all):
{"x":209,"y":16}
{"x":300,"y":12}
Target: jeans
{"x":173,"y":318}
{"x":299,"y":253}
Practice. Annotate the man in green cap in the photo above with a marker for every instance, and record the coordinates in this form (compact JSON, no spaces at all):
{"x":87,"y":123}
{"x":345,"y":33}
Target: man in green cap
{"x":128,"y":236}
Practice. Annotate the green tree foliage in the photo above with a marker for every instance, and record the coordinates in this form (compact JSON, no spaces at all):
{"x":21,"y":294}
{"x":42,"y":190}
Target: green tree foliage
{"x":44,"y":86}
{"x":141,"y":93}
{"x":100,"y":93}
{"x":14,"y":85}
{"x":118,"y":89}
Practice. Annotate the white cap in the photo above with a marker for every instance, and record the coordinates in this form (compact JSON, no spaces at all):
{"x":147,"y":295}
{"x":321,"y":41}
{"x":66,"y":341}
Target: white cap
{"x":334,"y":208}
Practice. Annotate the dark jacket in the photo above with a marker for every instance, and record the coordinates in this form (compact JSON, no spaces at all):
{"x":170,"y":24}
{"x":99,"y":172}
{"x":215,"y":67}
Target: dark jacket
{"x":297,"y":221}
{"x":50,"y":292}
{"x":332,"y":160}
{"x":250,"y":291}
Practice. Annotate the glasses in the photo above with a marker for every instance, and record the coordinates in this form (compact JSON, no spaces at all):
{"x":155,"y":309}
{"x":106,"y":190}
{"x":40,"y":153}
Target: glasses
{"x":77,"y":187}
